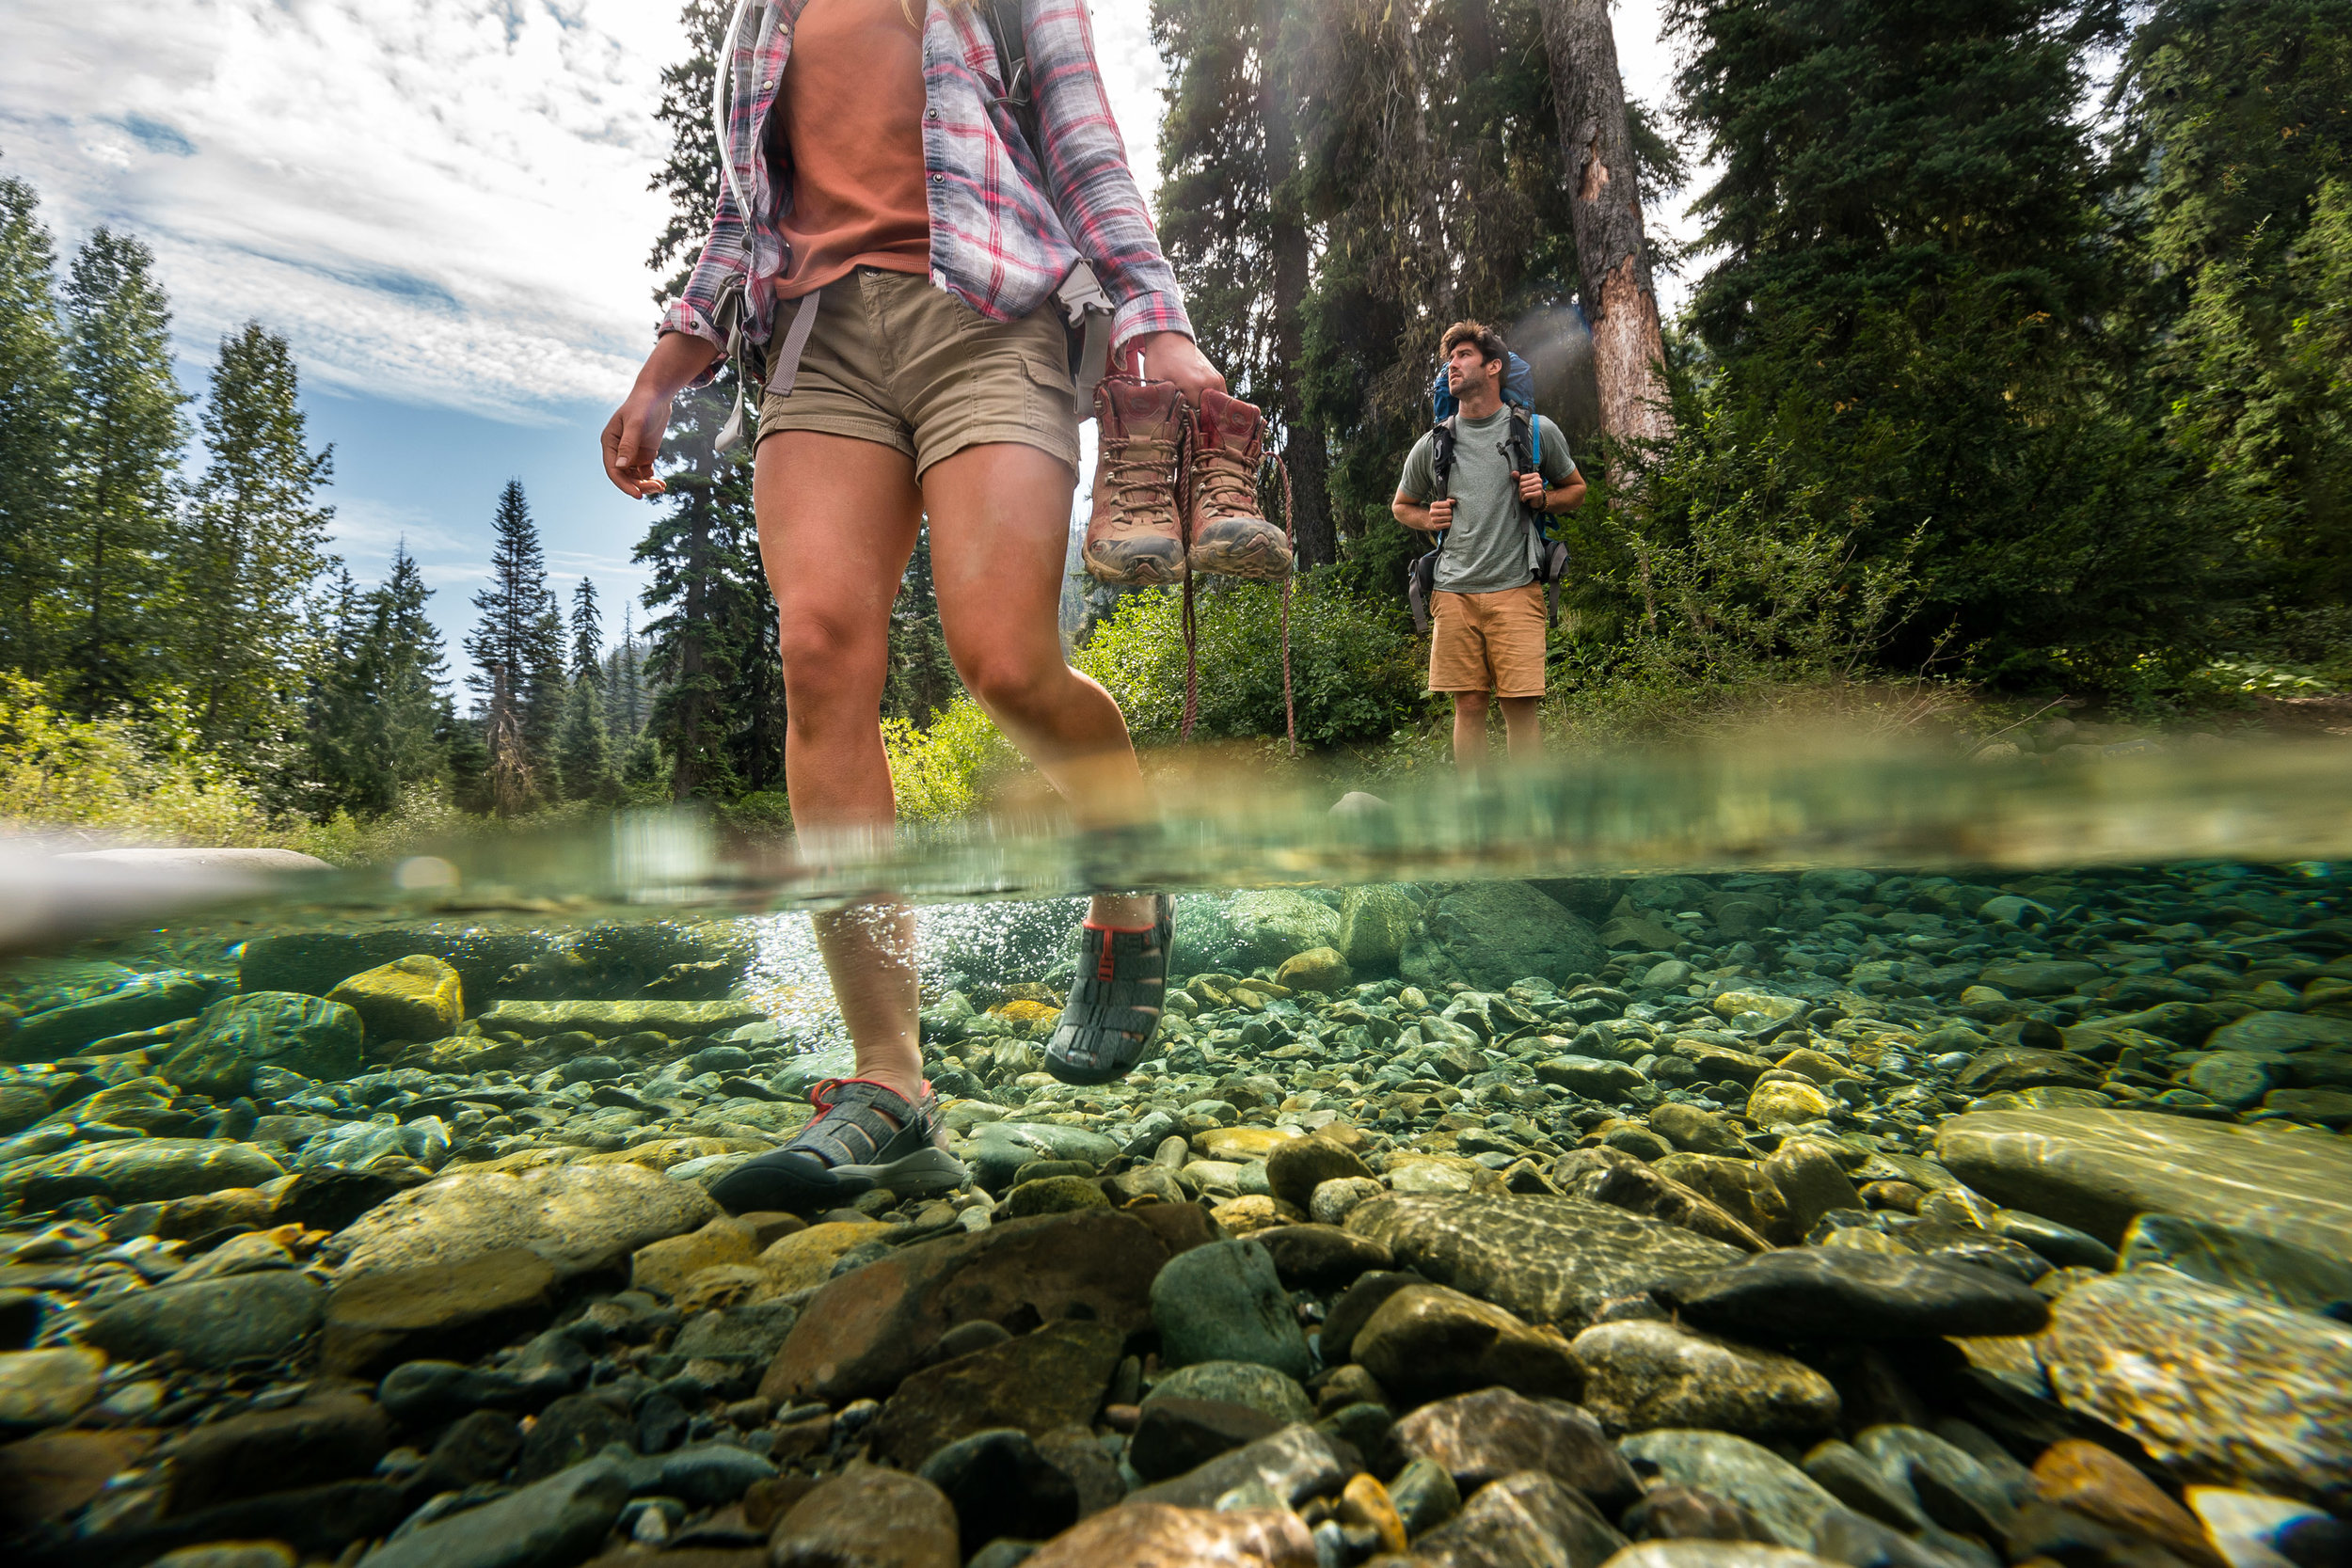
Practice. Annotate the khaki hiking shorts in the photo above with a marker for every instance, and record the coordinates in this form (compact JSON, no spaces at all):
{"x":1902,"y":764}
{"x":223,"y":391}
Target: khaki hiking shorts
{"x":1488,"y":641}
{"x":892,"y":360}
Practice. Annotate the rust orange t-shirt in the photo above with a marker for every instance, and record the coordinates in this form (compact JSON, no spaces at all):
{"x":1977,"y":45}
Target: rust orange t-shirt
{"x":850,"y":112}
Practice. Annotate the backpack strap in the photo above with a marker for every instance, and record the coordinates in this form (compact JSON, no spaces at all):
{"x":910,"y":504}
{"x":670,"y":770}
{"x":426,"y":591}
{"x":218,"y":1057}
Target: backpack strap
{"x":1012,"y":69}
{"x":1441,"y":438}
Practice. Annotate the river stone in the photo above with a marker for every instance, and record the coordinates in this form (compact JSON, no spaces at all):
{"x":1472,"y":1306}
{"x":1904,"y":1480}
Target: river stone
{"x":1149,"y":1533}
{"x":1546,"y":1260}
{"x":1740,"y":1188}
{"x":1223,"y":1302}
{"x":1293,"y":1464}
{"x":1522,"y":1521}
{"x":141,"y":1002}
{"x":213,"y":1323}
{"x":2041,"y":978}
{"x":1643,"y":1374}
{"x":419,"y":997}
{"x":1296,"y":1168}
{"x":1376,"y":923}
{"x":1605,"y":1175}
{"x":148,"y":1170}
{"x":552,"y":1524}
{"x":1244,"y":1383}
{"x":2098,"y":1170}
{"x":2100,"y":1484}
{"x":1810,"y":1181}
{"x":2234,"y":1078}
{"x":1426,"y":1341}
{"x":1496,"y":933}
{"x":2007,"y":1068}
{"x":1712,"y":1554}
{"x":576,"y":1218}
{"x":2239,"y":1260}
{"x":867,"y":1329}
{"x":2281,"y":1032}
{"x":1480,"y":1437}
{"x":44,"y":1387}
{"x":1784,"y":1500}
{"x":439,"y":1310}
{"x":1845,"y":1294}
{"x":1697,"y":1131}
{"x":308,"y":1034}
{"x":998,"y":1150}
{"x":1781,"y":1103}
{"x":2223,"y":1388}
{"x":1273,"y":925}
{"x":612,"y":1019}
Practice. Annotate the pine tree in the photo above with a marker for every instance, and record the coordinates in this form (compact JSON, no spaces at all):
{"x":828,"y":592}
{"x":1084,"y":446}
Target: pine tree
{"x":587,"y":634}
{"x":922,"y":679}
{"x":517,"y":652}
{"x":249,"y":549}
{"x":624,"y":680}
{"x":381,"y":721}
{"x":586,"y":749}
{"x":719,"y":713}
{"x":33,"y":424}
{"x":123,"y":450}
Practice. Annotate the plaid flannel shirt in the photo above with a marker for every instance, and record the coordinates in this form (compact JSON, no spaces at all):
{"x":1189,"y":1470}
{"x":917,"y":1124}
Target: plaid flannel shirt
{"x":1003,"y":233}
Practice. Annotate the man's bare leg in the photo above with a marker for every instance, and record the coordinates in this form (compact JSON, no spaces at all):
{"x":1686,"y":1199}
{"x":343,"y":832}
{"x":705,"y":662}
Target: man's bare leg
{"x":1469,"y":731}
{"x":1522,"y":727}
{"x":1000,"y":528}
{"x":838,"y":520}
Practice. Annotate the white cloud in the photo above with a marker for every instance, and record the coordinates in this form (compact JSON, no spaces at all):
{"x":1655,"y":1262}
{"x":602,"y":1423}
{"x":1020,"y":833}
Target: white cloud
{"x":441,"y":200}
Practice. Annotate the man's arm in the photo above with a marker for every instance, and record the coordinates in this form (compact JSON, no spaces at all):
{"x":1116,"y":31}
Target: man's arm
{"x":1422,"y":519}
{"x":1565,"y":497}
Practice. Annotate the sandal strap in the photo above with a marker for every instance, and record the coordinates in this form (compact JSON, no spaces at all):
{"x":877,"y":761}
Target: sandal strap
{"x":849,"y":1129}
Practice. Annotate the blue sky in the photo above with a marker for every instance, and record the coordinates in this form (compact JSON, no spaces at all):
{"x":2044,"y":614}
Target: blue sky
{"x":442,"y":205}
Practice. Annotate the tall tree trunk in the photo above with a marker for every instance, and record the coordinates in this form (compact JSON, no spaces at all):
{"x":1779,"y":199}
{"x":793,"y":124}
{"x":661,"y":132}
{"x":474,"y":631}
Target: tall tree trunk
{"x":1597,"y":150}
{"x":1303,"y":450}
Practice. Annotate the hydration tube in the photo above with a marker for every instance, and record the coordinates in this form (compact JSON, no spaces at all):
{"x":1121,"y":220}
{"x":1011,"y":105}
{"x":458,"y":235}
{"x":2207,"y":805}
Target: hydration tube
{"x":722,"y":73}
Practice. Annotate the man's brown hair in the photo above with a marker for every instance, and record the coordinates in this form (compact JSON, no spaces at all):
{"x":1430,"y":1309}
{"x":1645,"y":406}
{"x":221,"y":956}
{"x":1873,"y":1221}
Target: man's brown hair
{"x":1489,"y":341}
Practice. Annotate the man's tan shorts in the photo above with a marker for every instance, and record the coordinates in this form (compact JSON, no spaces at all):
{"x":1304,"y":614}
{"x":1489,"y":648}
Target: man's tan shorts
{"x":1488,"y":641}
{"x":892,"y":360}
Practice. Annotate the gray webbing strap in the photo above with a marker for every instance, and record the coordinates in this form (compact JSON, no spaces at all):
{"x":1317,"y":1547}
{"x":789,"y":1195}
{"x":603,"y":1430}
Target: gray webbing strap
{"x":785,"y":364}
{"x":1089,"y":308}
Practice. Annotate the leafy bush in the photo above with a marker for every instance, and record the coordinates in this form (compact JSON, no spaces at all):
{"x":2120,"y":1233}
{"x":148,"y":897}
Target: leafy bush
{"x":941,"y":771}
{"x":138,"y":778}
{"x":1354,"y":672}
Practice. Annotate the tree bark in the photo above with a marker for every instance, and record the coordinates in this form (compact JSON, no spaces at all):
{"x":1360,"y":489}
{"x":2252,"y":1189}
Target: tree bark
{"x":1597,"y":152}
{"x":1303,"y":450}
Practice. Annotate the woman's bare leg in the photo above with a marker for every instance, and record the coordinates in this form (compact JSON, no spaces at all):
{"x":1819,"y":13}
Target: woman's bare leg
{"x":1000,"y":531}
{"x":838,"y":520}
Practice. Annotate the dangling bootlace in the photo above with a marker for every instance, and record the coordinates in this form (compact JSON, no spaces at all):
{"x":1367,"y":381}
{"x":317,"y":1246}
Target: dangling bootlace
{"x":1115,"y":1004}
{"x":863,"y":1136}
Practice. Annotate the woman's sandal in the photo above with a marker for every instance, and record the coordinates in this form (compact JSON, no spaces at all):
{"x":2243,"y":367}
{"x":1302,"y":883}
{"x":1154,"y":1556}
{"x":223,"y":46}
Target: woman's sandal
{"x":863,"y":1136}
{"x":1114,"y":1006}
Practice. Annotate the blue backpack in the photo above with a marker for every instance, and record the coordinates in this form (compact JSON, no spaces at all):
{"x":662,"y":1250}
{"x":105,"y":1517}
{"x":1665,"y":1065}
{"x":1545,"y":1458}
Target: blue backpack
{"x":1527,"y":456}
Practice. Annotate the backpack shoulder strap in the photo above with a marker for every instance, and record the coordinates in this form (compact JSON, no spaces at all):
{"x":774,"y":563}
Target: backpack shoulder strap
{"x":1012,"y":67}
{"x":1441,"y":438}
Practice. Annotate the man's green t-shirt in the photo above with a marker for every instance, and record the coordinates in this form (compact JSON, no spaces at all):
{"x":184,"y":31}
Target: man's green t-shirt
{"x":1490,"y":546}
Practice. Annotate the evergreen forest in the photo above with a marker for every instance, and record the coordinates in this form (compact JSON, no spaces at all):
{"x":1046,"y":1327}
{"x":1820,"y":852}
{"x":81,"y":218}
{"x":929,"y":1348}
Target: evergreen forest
{"x":2012,"y":361}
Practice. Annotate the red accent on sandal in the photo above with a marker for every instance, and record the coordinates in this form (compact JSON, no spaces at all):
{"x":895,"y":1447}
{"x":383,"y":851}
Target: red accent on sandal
{"x":820,"y":1086}
{"x":1121,"y":930}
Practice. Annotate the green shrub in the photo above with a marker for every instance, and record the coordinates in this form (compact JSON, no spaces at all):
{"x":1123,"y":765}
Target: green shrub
{"x":1354,"y":671}
{"x":941,"y":771}
{"x":136,"y":778}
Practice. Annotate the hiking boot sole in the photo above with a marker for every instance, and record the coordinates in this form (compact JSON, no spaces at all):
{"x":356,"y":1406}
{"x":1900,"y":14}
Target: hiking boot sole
{"x":1254,"y":551}
{"x":798,"y":1183}
{"x":1157,"y":564}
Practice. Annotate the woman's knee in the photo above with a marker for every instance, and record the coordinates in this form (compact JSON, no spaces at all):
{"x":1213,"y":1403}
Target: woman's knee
{"x":1011,"y":683}
{"x":829,"y":664}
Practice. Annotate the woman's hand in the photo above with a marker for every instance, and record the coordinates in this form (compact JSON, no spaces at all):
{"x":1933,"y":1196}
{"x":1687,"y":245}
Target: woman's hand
{"x":632,"y":436}
{"x":1173,"y":357}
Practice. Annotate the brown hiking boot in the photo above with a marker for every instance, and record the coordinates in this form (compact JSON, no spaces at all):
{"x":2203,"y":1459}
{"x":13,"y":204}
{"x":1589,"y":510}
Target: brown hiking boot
{"x":1133,"y":537}
{"x":1227,"y":535}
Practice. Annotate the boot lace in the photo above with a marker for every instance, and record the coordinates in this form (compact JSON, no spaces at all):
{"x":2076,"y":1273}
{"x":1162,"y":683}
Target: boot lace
{"x":1227,"y":486}
{"x":1141,"y":479}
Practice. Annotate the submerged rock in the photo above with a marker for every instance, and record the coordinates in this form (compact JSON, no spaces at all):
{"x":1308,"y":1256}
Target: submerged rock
{"x":575,"y":1217}
{"x":2223,"y":1388}
{"x":2099,"y":1169}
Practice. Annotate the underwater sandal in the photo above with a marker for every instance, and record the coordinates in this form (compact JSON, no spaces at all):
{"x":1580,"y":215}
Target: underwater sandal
{"x":850,"y":1147}
{"x":1114,"y":1007}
